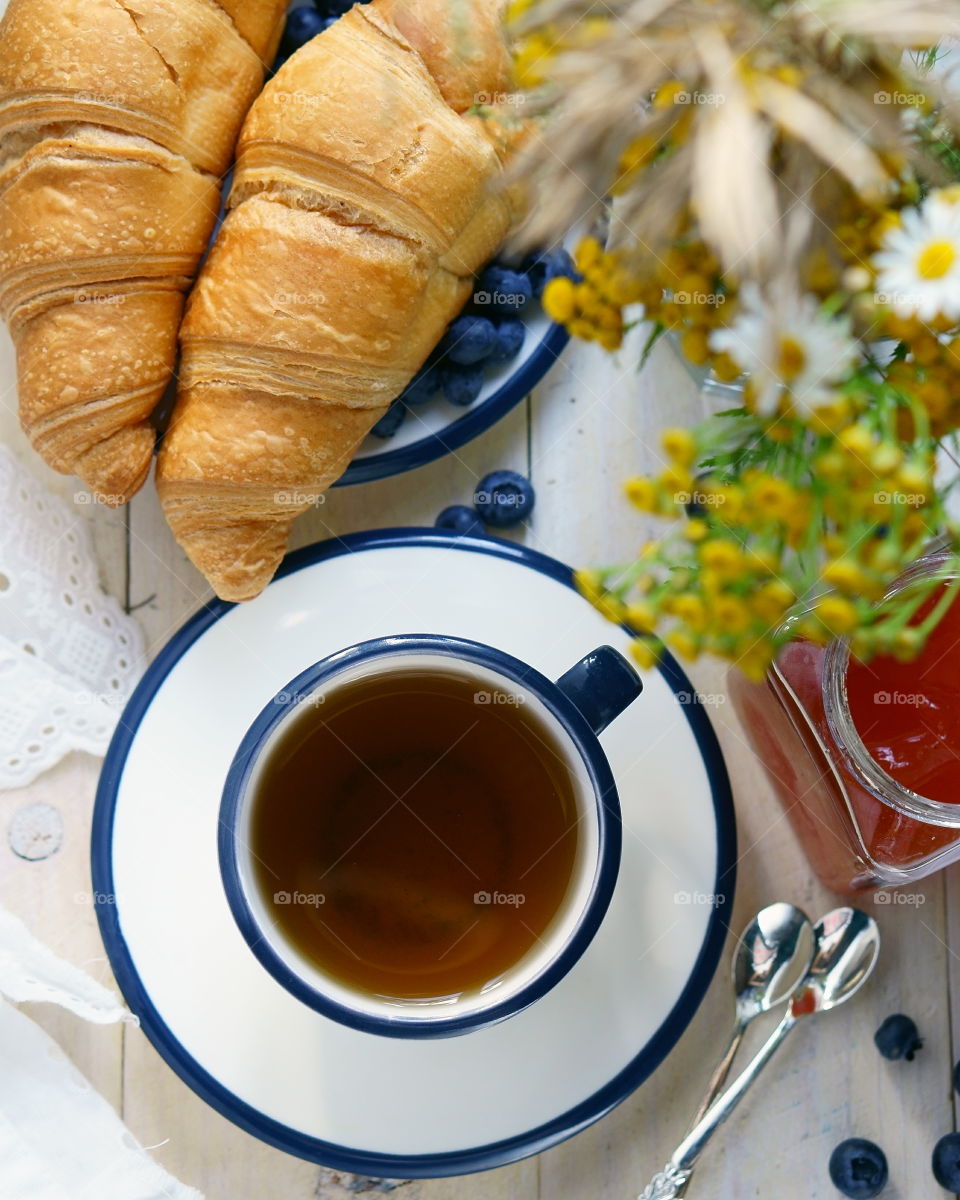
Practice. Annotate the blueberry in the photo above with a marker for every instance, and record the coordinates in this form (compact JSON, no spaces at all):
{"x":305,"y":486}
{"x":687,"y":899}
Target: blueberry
{"x":510,"y":335}
{"x":334,"y":8}
{"x":421,"y":388}
{"x":503,"y":290}
{"x":469,"y":340}
{"x":391,"y":420}
{"x":460,"y":519}
{"x":956,"y":1077}
{"x":545,"y":265}
{"x":946,"y":1162}
{"x":898,"y":1037}
{"x":504,"y":498}
{"x":302,"y":25}
{"x":461,"y":385}
{"x":858,"y":1168}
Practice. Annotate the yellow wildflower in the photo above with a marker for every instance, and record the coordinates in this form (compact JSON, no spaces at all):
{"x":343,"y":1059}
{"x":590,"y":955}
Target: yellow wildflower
{"x":858,"y":440}
{"x":641,"y":616}
{"x":680,"y":446}
{"x":678,"y":480}
{"x":644,"y":653}
{"x":643,"y":493}
{"x":589,"y":584}
{"x":771,"y":601}
{"x":772,"y":496}
{"x":730,"y":614}
{"x":685,"y":644}
{"x":755,"y":662}
{"x":589,"y":253}
{"x":722,"y":555}
{"x":845,"y":575}
{"x":559,"y":299}
{"x":838,"y":615}
{"x":692,"y":611}
{"x":696,"y":529}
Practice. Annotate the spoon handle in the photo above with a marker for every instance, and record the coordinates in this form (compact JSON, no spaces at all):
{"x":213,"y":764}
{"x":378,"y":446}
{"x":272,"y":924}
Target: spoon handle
{"x":717,"y":1080}
{"x":665,"y":1184}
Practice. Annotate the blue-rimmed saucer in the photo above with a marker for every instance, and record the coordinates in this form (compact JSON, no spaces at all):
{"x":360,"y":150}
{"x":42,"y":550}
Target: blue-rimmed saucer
{"x":302,"y":1082}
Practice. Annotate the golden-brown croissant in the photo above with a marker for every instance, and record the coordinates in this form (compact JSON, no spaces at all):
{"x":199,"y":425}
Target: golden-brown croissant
{"x":362,"y":205}
{"x":117,"y":118}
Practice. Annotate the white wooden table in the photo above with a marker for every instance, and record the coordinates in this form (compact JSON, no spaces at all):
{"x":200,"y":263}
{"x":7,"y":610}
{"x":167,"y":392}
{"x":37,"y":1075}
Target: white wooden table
{"x":592,"y":423}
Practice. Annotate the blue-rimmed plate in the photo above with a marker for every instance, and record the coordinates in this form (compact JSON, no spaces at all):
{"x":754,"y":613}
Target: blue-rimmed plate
{"x":352,"y":1100}
{"x":438,"y":427}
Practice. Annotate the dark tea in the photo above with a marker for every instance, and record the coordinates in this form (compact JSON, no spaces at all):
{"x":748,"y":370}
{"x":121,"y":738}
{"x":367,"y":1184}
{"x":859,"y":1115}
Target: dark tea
{"x":414,"y":834}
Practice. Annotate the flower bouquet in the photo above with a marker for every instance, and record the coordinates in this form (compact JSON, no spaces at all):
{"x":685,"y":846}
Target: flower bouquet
{"x":779,"y":181}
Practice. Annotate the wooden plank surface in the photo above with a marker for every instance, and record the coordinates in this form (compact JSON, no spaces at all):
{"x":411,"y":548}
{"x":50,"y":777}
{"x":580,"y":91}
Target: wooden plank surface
{"x":593,"y":422}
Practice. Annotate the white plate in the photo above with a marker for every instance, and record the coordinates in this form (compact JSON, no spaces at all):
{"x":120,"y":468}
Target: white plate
{"x":355,"y":1101}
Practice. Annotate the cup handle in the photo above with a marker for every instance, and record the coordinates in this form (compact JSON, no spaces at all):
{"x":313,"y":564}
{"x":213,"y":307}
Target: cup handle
{"x":601,"y":685}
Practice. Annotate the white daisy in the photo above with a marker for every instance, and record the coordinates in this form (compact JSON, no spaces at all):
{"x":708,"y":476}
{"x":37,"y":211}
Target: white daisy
{"x":790,"y":350}
{"x":918,"y":267}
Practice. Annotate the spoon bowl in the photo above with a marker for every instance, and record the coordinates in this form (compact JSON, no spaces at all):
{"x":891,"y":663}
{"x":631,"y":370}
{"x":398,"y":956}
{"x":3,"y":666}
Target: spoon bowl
{"x":773,"y":955}
{"x":848,"y":942}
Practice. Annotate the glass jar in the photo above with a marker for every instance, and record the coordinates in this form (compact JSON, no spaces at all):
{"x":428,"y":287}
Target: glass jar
{"x":859,"y":826}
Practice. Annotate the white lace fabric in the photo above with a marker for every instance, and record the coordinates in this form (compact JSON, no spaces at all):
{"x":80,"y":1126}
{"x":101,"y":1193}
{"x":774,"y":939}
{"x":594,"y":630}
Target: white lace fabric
{"x":59,"y":1139}
{"x":69,"y":655}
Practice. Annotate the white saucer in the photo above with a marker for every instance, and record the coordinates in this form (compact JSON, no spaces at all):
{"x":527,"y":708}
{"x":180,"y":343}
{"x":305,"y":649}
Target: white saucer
{"x":355,"y":1101}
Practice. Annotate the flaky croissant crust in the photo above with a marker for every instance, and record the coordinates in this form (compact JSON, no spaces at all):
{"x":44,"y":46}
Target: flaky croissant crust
{"x":117,"y":118}
{"x":363,"y":203}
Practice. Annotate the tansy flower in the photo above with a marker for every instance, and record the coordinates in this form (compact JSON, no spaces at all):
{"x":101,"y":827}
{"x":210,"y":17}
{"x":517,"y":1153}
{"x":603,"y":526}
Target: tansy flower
{"x":918,"y":266}
{"x":789,"y":348}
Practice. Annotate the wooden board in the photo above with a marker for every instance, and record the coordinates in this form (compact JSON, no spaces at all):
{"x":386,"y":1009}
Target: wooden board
{"x":593,"y":422}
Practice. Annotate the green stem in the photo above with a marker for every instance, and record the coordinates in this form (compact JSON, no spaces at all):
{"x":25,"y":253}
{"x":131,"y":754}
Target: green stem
{"x":939,"y":610}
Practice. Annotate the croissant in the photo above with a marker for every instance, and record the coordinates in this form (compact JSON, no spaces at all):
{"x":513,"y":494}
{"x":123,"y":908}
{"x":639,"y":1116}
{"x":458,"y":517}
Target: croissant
{"x":361,"y":207}
{"x":116,"y":119}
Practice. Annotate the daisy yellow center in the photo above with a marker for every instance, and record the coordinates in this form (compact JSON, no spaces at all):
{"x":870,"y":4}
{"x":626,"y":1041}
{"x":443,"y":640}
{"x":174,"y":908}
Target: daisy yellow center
{"x":792,"y":358}
{"x":936,"y":259}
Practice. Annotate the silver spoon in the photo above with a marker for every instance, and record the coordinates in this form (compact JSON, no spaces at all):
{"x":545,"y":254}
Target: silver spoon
{"x":848,"y":942}
{"x":770,"y":962}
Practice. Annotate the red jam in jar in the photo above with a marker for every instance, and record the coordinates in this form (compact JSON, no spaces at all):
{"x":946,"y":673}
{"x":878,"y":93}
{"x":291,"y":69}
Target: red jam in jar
{"x":865,"y":757}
